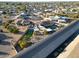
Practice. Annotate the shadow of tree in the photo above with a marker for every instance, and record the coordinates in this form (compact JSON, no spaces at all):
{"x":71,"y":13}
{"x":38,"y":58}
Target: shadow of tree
{"x":3,"y":36}
{"x":4,"y":43}
{"x":10,"y":37}
{"x":20,"y":32}
{"x":3,"y":53}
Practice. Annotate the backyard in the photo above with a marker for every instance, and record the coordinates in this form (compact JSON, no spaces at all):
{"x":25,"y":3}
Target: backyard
{"x":24,"y":41}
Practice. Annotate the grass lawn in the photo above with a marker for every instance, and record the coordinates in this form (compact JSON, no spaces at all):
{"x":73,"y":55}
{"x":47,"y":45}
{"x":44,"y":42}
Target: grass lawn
{"x":22,"y":43}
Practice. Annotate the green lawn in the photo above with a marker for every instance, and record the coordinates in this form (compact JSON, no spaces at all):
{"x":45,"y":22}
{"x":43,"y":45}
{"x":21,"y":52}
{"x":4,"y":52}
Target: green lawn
{"x":23,"y":41}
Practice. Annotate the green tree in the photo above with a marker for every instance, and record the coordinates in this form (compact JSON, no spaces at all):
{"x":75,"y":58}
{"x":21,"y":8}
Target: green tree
{"x":13,"y":29}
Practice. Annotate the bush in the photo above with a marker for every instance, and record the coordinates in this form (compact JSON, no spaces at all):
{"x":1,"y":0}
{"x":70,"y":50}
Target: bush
{"x":13,"y":29}
{"x":28,"y":34}
{"x":24,"y":43}
{"x":6,"y":24}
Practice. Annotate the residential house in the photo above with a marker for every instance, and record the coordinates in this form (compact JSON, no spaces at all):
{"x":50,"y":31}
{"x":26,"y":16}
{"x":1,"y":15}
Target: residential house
{"x":59,"y":19}
{"x":1,"y":21}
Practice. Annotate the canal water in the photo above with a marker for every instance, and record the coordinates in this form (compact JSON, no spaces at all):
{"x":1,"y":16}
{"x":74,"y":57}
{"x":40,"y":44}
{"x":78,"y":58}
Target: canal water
{"x":61,"y":48}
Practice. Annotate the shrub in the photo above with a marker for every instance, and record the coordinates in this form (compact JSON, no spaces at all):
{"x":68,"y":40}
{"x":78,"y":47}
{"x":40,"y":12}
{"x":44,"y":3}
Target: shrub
{"x":24,"y":43}
{"x":13,"y":29}
{"x":6,"y":24}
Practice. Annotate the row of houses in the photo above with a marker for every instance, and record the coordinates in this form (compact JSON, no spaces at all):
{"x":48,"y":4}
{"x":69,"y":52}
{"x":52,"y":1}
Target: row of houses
{"x":40,"y":23}
{"x":59,"y":19}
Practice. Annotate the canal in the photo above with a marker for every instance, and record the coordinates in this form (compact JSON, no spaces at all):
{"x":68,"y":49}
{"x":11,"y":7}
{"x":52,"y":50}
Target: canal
{"x":61,"y":48}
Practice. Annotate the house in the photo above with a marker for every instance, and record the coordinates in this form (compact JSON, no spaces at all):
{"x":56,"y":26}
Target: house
{"x":48,"y":10}
{"x":37,"y":13}
{"x":49,"y":30}
{"x":64,"y":19}
{"x":22,"y":22}
{"x":59,"y":19}
{"x":1,"y":12}
{"x":45,"y":29}
{"x":36,"y":28}
{"x":0,"y":21}
{"x":45,"y":19}
{"x":41,"y":27}
{"x":47,"y":23}
{"x":24,"y":16}
{"x":55,"y":17}
{"x":35,"y":18}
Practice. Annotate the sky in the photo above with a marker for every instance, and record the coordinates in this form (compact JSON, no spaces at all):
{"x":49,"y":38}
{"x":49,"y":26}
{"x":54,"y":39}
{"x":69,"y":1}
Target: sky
{"x":34,"y":0}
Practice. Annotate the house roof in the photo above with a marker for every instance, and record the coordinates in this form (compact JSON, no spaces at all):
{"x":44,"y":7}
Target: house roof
{"x":54,"y":17}
{"x":58,"y":17}
{"x":63,"y":17}
{"x":25,"y":17}
{"x":36,"y":29}
{"x":48,"y":29}
{"x":36,"y":17}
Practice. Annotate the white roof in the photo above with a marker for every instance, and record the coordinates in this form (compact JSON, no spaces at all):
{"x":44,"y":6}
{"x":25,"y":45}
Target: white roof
{"x":16,"y":16}
{"x":36,"y":29}
{"x":56,"y":17}
{"x":42,"y":27}
{"x":52,"y":17}
{"x":48,"y":29}
{"x":48,"y":10}
{"x":22,"y":13}
{"x":47,"y":19}
{"x":1,"y":11}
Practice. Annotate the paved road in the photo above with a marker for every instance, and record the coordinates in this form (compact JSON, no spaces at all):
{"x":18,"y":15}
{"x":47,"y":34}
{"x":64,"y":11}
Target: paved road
{"x":5,"y":45}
